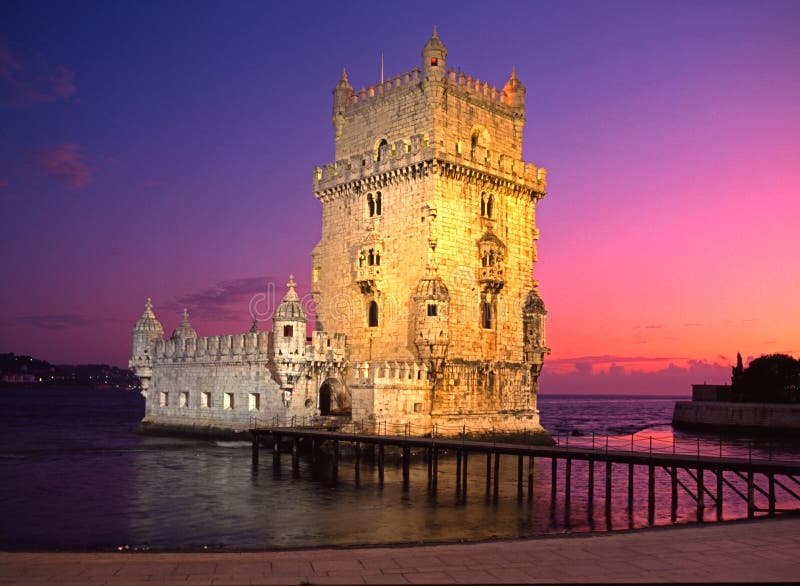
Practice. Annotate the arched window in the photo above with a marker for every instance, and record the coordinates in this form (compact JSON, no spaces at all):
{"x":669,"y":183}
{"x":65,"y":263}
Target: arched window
{"x":371,"y":258}
{"x":378,"y":150}
{"x":483,"y":204}
{"x":432,"y":310}
{"x":489,"y":206}
{"x":378,"y":204}
{"x":372,"y":314}
{"x":287,"y":331}
{"x":487,"y":314}
{"x":370,"y":205}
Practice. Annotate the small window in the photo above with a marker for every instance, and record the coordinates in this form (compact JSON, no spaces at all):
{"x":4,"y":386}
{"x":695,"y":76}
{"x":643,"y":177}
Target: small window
{"x":205,"y":400}
{"x":163,"y":399}
{"x":288,"y":331}
{"x":183,"y":400}
{"x":227,"y":401}
{"x":487,"y":315}
{"x":417,"y":407}
{"x":378,"y":204}
{"x":370,"y":205}
{"x":373,"y":314}
{"x":432,"y":309}
{"x":254,"y":402}
{"x":434,"y":61}
{"x":489,"y":206}
{"x":315,"y":274}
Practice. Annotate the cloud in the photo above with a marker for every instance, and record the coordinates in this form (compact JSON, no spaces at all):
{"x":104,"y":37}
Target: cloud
{"x":228,"y":300}
{"x":26,"y":81}
{"x":59,"y":321}
{"x":672,"y":379}
{"x":65,"y":164}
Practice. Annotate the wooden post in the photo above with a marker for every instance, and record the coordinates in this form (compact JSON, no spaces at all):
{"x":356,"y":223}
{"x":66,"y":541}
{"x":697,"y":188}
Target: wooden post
{"x":519,"y":477}
{"x":630,"y":488}
{"x":608,"y":493}
{"x":276,"y":451}
{"x":488,"y":473}
{"x":380,"y":464}
{"x":590,"y":489}
{"x":435,"y":467}
{"x":567,"y":483}
{"x":429,"y":458}
{"x":674,"y":507}
{"x":553,"y":479}
{"x":255,"y":450}
{"x":496,"y":474}
{"x":530,"y":478}
{"x":700,"y":495}
{"x":464,"y":476}
{"x":651,"y":494}
{"x":313,"y":450}
{"x":335,"y":460}
{"x":719,"y":493}
{"x":771,"y":478}
{"x":751,"y":501}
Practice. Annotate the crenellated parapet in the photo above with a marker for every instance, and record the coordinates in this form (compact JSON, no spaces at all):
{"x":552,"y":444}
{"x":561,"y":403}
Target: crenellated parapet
{"x":390,"y":373}
{"x":224,"y":348}
{"x":361,"y":172}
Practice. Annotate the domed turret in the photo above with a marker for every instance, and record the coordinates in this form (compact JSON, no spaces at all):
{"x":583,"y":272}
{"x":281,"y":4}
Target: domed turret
{"x":434,"y":58}
{"x":147,"y":331}
{"x":432,"y":331}
{"x":342,"y":96}
{"x":534,"y":316}
{"x":184,"y":331}
{"x":289,"y":334}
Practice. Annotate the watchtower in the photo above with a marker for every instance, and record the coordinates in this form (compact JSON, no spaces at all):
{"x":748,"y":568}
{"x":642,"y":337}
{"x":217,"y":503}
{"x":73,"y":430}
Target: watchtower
{"x":428,"y":243}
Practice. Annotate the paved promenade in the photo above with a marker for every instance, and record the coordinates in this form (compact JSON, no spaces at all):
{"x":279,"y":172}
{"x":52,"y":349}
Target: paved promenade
{"x":763,"y":550}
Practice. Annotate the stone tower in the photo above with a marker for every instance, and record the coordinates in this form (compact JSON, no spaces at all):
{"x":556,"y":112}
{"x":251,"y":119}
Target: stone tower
{"x":427,"y":249}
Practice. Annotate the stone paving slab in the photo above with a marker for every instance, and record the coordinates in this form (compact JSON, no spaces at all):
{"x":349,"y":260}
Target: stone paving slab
{"x":761,"y":550}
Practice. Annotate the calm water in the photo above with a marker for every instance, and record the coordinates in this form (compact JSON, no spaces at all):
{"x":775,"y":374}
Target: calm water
{"x":75,"y":475}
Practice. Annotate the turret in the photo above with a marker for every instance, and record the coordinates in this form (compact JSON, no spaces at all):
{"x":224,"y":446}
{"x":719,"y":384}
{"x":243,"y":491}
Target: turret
{"x":184,"y":331}
{"x":535,"y":346}
{"x":146,"y":333}
{"x":431,"y":328}
{"x":514,"y":91}
{"x":342,"y":96}
{"x":434,"y":59}
{"x":289,"y":335}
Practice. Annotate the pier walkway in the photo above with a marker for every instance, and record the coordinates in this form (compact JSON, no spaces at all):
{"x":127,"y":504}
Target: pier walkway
{"x":757,"y":551}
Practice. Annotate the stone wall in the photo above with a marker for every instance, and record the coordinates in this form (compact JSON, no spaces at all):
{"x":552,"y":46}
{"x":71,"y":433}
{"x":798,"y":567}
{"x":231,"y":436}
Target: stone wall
{"x":714,"y":415}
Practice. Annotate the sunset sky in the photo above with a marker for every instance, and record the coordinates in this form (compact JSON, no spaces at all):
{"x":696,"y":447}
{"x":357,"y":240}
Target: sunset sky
{"x":165,"y":149}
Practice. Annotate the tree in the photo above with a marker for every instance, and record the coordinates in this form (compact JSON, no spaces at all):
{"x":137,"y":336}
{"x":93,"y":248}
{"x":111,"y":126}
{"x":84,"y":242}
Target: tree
{"x":774,"y":378}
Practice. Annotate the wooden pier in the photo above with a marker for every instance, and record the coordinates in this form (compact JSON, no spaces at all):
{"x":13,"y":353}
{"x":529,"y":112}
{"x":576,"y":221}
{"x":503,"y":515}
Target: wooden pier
{"x":699,"y":476}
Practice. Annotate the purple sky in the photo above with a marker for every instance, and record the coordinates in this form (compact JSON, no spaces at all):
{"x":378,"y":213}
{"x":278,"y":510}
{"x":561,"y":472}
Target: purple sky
{"x":165,"y":149}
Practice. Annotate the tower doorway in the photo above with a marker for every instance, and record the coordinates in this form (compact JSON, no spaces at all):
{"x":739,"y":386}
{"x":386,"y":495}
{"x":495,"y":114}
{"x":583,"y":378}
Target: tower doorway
{"x":334,"y":399}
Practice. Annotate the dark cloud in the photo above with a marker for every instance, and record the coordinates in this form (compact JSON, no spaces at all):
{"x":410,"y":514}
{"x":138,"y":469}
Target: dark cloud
{"x":672,"y":379}
{"x":59,"y":321}
{"x":29,"y":81}
{"x":229,"y":300}
{"x":65,"y":164}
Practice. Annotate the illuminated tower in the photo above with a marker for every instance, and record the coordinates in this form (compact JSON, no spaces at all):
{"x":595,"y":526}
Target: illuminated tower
{"x":427,"y":248}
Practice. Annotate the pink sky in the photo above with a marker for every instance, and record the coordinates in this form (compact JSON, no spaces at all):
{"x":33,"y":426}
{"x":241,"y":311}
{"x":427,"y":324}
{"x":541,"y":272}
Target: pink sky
{"x":139,"y":159}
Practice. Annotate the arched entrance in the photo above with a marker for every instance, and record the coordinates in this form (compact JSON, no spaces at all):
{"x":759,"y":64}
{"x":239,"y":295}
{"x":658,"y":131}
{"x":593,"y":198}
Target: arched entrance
{"x":334,"y":399}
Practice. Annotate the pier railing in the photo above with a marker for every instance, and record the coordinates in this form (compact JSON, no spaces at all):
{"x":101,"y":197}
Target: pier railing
{"x":639,"y":442}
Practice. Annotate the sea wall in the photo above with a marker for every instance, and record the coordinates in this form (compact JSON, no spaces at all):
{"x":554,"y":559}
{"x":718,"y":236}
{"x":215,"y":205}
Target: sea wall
{"x":725,"y":416}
